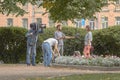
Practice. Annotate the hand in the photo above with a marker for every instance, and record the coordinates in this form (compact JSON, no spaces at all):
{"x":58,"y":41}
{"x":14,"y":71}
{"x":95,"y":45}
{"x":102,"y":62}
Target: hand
{"x":31,"y":33}
{"x":77,"y":35}
{"x":59,"y":54}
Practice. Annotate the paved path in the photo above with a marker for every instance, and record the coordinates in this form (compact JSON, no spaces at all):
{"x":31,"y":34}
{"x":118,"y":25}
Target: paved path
{"x":21,"y":71}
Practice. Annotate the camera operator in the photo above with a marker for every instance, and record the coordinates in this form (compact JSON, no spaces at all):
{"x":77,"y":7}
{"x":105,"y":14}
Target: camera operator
{"x":32,"y":36}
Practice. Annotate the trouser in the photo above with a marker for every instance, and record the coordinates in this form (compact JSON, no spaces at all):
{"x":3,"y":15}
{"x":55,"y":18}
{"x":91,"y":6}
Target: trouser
{"x":87,"y":51}
{"x":61,"y":49}
{"x":47,"y":50}
{"x":31,"y":52}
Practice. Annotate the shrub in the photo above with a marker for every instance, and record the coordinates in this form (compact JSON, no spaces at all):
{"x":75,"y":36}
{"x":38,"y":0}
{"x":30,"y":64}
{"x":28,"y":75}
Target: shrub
{"x":107,"y":41}
{"x":12,"y":44}
{"x":97,"y":61}
{"x":70,"y":45}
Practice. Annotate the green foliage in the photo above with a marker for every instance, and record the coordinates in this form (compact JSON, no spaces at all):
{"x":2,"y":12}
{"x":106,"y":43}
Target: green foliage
{"x":12,"y":44}
{"x":59,"y":9}
{"x":110,"y":61}
{"x":69,"y":44}
{"x":14,"y":6}
{"x":107,"y":41}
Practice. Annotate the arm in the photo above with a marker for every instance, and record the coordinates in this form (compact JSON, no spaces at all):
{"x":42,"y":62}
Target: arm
{"x":56,"y":49}
{"x":28,"y":34}
{"x":39,"y":31}
{"x":69,"y":37}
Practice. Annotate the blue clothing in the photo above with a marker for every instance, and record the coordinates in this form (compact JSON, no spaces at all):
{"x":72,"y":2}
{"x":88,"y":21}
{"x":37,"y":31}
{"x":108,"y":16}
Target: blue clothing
{"x":32,"y":37}
{"x":47,"y":57}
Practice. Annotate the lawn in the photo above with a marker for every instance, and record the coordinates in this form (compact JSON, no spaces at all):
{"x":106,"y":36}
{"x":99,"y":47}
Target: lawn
{"x":109,"y":76}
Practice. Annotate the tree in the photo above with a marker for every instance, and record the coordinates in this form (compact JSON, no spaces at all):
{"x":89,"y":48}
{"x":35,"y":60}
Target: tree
{"x":14,"y":6}
{"x":59,"y":10}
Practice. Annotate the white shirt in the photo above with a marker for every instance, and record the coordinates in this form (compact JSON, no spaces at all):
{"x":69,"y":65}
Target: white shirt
{"x":51,"y":41}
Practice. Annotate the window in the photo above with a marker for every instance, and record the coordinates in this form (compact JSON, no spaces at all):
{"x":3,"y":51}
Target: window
{"x":9,"y":22}
{"x":117,"y":22}
{"x":104,"y":22}
{"x":39,"y":20}
{"x":78,"y":24}
{"x":92,"y":24}
{"x":25,"y":23}
{"x":118,"y":2}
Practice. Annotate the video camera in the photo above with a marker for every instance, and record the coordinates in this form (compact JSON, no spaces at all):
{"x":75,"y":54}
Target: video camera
{"x":36,"y":26}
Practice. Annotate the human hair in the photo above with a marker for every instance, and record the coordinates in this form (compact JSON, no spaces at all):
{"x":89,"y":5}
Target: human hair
{"x":58,"y":26}
{"x":88,"y":27}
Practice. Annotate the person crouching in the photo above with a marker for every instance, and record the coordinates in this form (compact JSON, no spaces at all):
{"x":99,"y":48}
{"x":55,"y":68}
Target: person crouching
{"x":47,"y":46}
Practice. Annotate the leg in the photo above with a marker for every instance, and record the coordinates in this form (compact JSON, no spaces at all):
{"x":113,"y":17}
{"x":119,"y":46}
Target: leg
{"x":28,"y":55}
{"x":49,"y":55}
{"x":60,"y":50}
{"x":44,"y":54}
{"x":34,"y":55}
{"x":87,"y":51}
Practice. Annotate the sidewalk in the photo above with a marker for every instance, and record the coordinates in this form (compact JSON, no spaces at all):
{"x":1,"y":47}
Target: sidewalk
{"x":21,"y":71}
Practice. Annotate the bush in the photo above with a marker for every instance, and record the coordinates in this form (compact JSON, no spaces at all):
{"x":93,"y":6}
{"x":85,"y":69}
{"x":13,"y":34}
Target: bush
{"x":97,"y":61}
{"x":12,"y":44}
{"x":70,"y":45}
{"x":107,"y":41}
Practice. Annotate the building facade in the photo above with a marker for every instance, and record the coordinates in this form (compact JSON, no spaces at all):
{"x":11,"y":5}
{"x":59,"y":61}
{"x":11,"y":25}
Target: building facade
{"x":109,"y":16}
{"x":34,"y":15}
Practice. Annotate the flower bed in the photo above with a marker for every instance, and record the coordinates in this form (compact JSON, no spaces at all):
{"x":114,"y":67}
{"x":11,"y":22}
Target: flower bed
{"x":97,"y":61}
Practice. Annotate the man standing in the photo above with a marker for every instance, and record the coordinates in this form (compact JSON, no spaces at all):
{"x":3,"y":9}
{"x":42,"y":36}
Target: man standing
{"x":60,"y":36}
{"x":32,"y":36}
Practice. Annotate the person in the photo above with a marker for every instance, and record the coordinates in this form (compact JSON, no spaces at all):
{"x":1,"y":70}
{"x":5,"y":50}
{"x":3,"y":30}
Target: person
{"x":32,"y":35}
{"x":87,"y":42}
{"x":47,"y":46}
{"x":60,"y":36}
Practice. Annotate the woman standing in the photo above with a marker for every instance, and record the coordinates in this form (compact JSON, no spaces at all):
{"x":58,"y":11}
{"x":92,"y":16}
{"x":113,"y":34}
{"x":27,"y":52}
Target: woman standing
{"x":87,"y":42}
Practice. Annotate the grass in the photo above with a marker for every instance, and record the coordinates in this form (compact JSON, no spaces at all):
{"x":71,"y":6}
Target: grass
{"x":110,"y":76}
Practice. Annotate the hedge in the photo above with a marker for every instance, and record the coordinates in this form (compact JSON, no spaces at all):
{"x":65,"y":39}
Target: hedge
{"x":107,"y":41}
{"x":70,"y":45}
{"x":13,"y":42}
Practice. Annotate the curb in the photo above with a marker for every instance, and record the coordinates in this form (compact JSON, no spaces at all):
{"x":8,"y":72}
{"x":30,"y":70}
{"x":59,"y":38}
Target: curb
{"x":83,"y":67}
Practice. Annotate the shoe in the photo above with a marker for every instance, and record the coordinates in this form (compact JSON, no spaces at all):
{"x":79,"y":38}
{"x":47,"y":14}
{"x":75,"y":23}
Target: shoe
{"x":28,"y":64}
{"x":33,"y":64}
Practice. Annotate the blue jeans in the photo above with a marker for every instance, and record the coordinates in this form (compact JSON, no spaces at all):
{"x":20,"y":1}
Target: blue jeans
{"x":47,"y":50}
{"x":31,"y":51}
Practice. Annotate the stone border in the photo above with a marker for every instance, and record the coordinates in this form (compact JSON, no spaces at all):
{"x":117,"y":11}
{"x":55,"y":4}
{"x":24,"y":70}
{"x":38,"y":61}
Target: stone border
{"x":83,"y":67}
